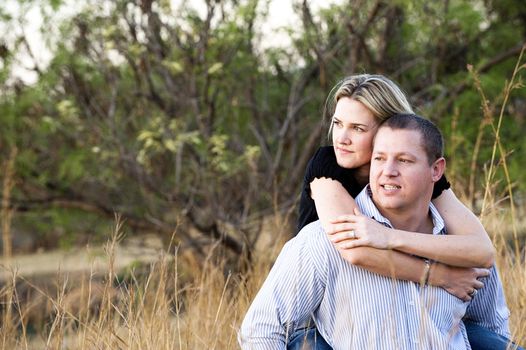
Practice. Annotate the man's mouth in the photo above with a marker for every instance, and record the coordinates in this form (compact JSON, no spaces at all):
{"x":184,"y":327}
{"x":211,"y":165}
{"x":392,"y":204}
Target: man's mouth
{"x":391,"y":187}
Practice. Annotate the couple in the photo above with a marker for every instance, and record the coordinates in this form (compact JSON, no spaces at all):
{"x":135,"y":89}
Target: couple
{"x":310,"y":278}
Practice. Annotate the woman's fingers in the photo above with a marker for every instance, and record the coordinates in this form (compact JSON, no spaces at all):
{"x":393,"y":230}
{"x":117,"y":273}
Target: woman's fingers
{"x":349,"y":244}
{"x":342,"y":236}
{"x":343,"y":218}
{"x":481,"y":273}
{"x":352,"y":243}
{"x":340,"y":228}
{"x":478,"y":284}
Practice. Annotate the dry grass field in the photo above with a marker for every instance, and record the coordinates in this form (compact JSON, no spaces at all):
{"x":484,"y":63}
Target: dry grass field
{"x":171,"y":301}
{"x":175,"y":301}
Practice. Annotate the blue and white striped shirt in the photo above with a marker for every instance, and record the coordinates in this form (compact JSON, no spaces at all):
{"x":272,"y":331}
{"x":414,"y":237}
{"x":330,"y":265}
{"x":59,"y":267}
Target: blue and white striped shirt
{"x":357,"y":309}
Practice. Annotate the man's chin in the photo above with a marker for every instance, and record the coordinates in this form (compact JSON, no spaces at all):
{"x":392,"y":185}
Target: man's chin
{"x":387,"y":202}
{"x":390,"y":206}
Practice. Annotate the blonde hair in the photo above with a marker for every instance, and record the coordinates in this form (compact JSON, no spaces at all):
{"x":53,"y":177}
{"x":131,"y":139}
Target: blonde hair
{"x":376,"y":92}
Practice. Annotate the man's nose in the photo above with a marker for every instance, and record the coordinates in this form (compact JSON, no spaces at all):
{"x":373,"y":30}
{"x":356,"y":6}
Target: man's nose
{"x":390,"y":168}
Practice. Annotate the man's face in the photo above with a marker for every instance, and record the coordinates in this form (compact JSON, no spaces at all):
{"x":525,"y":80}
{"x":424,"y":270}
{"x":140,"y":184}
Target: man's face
{"x":400,"y":176}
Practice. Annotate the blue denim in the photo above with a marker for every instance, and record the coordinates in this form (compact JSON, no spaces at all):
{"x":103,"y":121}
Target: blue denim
{"x":481,"y":338}
{"x":307,"y":339}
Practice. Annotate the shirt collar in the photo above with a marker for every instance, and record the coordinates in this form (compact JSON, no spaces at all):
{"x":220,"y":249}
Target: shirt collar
{"x":368,"y":208}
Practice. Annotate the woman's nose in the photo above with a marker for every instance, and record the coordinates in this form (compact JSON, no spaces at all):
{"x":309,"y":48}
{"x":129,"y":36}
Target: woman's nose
{"x":343,"y":137}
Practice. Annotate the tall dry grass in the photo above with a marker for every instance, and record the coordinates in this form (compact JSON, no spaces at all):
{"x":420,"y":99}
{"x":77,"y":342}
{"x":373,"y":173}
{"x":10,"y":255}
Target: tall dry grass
{"x":178,"y":302}
{"x":499,"y":212}
{"x":175,"y":303}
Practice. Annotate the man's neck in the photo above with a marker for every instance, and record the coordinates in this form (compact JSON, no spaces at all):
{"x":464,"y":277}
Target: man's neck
{"x":413,"y":223}
{"x":418,"y":219}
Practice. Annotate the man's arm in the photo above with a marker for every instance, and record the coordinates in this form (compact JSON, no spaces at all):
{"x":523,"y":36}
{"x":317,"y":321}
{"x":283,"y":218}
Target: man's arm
{"x":289,"y":296}
{"x":488,"y":307}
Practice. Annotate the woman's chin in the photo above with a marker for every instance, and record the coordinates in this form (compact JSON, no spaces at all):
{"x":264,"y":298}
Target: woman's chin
{"x":350,"y":163}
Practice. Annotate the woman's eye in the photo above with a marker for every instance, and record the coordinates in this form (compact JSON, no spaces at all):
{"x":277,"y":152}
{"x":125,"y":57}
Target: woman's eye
{"x":359,"y":128}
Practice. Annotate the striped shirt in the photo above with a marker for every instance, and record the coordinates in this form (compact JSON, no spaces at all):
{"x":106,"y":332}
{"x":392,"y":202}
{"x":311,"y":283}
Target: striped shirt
{"x":357,"y":309}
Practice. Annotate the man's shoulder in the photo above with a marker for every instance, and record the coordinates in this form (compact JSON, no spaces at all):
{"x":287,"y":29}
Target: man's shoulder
{"x":313,"y":237}
{"x":311,"y":232}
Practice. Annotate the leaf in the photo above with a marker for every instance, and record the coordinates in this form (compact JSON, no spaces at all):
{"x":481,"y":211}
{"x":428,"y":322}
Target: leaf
{"x":144,"y":135}
{"x":72,"y":166}
{"x":171,"y":145}
{"x":55,"y":4}
{"x":173,"y":66}
{"x":215,"y":68}
{"x":67,"y":110}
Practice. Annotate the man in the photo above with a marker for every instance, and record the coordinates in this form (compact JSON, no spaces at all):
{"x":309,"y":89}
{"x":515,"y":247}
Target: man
{"x":354,"y":308}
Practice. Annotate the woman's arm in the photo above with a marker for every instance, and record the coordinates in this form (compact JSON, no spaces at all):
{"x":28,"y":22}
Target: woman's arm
{"x":467,"y":245}
{"x":332,"y":200}
{"x":460,"y":221}
{"x":459,"y":281}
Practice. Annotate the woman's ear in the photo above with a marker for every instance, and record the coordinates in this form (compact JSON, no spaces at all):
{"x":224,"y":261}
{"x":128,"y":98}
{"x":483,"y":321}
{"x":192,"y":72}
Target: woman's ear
{"x":438,"y":168}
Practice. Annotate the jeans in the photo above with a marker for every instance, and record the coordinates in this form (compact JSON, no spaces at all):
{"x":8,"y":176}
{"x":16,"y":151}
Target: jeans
{"x":480,"y":338}
{"x":307,"y":339}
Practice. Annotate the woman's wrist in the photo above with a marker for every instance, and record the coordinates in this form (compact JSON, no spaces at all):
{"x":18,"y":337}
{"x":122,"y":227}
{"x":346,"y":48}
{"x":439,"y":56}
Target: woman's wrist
{"x":437,"y":274}
{"x":427,"y":272}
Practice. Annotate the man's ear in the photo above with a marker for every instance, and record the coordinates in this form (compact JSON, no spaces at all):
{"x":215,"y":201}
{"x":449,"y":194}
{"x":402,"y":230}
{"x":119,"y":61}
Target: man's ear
{"x":438,"y":168}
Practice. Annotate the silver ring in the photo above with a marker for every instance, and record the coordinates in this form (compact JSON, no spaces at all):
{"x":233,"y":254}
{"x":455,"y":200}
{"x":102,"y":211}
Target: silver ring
{"x":351,"y":234}
{"x":472,"y":294}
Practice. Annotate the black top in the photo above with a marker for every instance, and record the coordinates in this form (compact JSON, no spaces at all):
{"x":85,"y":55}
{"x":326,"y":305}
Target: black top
{"x":323,"y":164}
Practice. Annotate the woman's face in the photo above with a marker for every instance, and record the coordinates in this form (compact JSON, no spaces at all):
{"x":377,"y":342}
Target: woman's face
{"x":353,"y":129}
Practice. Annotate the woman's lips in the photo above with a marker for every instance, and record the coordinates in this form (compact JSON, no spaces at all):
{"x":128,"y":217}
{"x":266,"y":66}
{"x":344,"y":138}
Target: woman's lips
{"x":343,"y":151}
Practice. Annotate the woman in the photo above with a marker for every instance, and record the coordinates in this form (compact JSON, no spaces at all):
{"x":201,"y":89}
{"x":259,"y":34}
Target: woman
{"x":338,"y":173}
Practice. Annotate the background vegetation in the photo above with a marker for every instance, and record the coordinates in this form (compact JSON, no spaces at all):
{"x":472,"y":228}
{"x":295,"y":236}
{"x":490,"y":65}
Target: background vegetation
{"x":179,"y":116}
{"x":168,"y":114}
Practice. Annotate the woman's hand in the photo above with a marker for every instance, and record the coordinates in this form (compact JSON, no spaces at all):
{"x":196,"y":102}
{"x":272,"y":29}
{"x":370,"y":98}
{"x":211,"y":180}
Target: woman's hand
{"x":461,"y":282}
{"x":350,"y":231}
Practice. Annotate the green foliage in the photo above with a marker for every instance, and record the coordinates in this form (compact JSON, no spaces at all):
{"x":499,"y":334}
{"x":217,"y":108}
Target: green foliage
{"x":55,"y":4}
{"x":154,"y":111}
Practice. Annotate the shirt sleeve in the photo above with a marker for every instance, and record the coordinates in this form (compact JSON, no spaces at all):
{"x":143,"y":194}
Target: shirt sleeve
{"x":488,"y":308}
{"x":289,"y":296}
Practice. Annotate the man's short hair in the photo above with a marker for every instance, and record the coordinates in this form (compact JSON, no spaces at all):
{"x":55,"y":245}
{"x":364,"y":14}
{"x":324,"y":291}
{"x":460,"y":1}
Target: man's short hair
{"x":432,"y":140}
